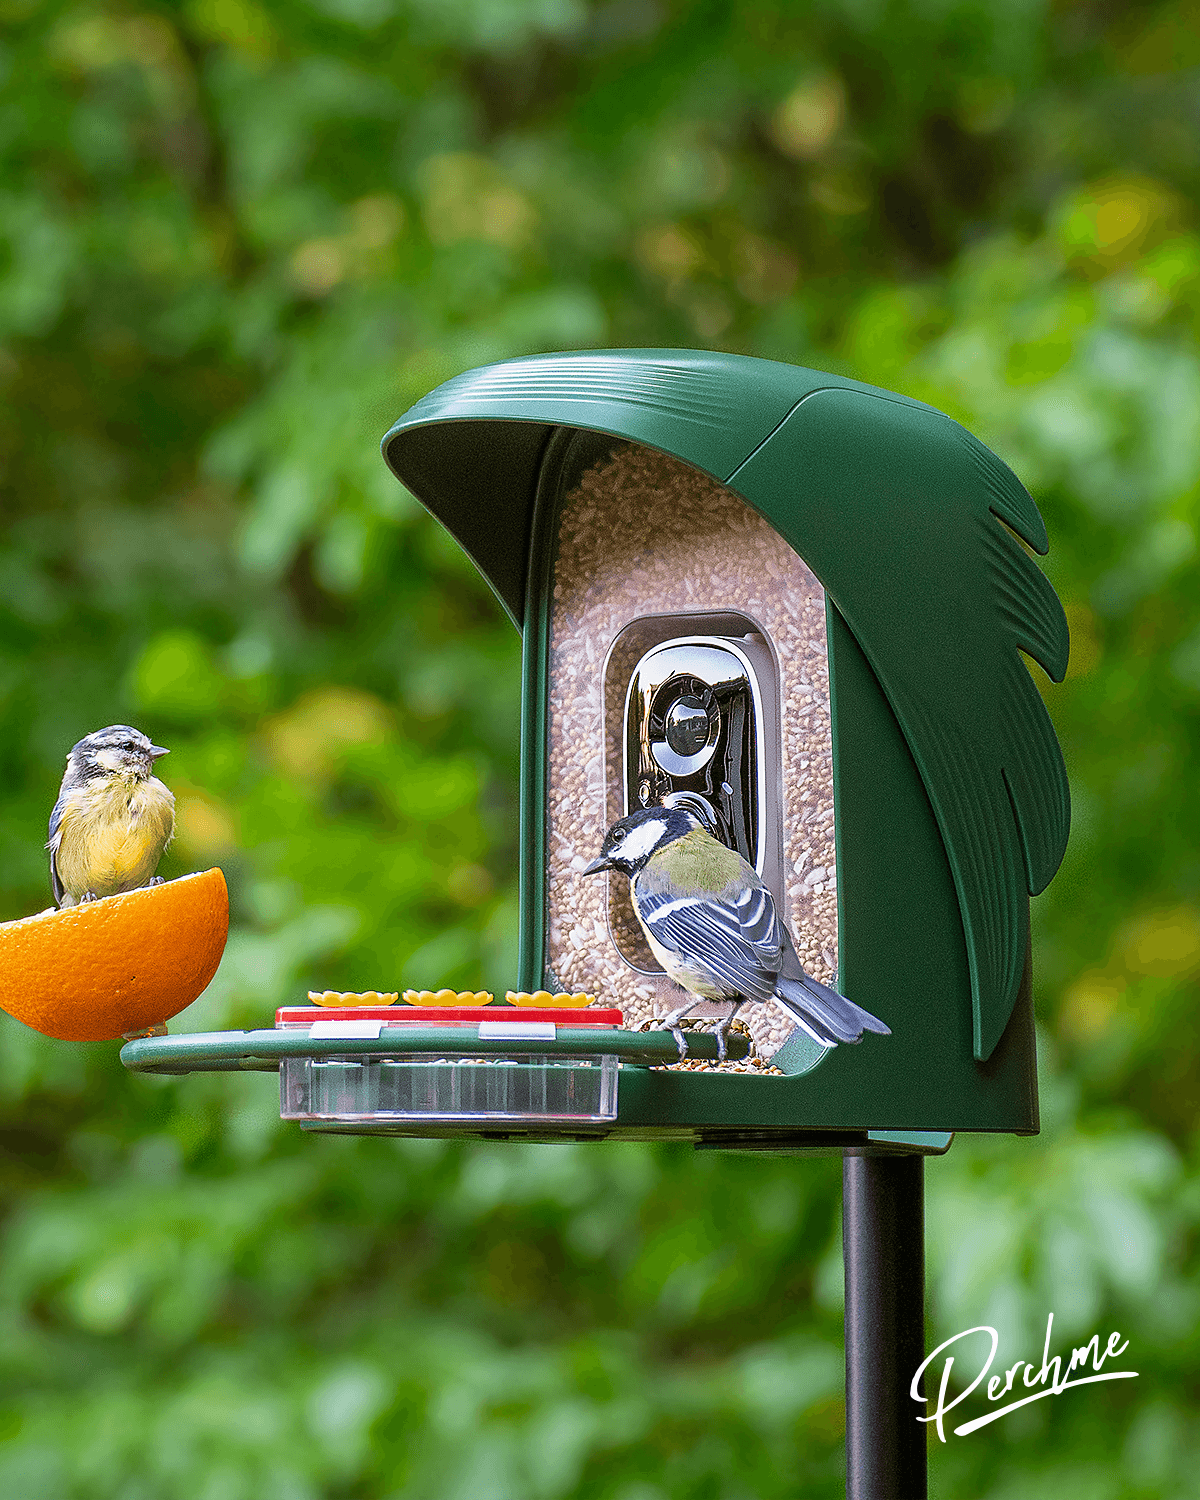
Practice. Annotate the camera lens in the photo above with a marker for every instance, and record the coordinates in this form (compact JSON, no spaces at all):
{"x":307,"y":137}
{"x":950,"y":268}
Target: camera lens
{"x":686,"y":726}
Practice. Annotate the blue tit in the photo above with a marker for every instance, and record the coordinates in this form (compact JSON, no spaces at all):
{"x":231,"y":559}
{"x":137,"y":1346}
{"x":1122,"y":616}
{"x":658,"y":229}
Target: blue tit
{"x":712,"y":925}
{"x":113,"y":817}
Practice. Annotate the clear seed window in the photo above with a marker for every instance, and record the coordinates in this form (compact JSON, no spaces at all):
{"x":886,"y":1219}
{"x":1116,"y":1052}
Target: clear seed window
{"x":651,"y":552}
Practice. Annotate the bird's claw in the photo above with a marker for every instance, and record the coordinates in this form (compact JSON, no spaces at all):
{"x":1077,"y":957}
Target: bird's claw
{"x":680,"y":1041}
{"x":156,"y":880}
{"x":88,"y":896}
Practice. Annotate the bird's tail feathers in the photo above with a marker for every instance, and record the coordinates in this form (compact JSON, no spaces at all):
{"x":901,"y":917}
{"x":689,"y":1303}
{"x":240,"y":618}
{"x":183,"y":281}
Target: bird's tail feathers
{"x":814,"y":1029}
{"x":825,"y":1015}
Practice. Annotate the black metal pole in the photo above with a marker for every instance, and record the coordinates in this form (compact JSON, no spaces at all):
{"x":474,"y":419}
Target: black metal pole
{"x":883,"y":1245}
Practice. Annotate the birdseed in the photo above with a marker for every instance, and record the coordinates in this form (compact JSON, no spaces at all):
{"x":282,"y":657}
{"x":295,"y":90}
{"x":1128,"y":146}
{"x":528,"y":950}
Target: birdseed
{"x":644,"y":534}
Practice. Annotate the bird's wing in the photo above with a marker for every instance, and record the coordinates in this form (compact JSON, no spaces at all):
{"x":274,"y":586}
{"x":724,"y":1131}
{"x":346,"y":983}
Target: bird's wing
{"x":52,"y":844}
{"x":738,"y":939}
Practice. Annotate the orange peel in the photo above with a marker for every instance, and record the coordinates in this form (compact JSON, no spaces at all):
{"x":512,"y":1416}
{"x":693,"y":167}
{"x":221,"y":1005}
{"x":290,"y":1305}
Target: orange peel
{"x":122,"y":964}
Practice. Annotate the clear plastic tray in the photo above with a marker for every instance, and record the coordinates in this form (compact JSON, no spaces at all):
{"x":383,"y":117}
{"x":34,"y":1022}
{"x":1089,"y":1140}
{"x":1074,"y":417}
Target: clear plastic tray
{"x":427,"y":1087}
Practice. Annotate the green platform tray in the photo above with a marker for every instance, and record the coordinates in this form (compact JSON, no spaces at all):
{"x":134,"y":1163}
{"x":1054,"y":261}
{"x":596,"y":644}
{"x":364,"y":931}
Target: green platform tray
{"x":642,"y":1057}
{"x":261,"y":1051}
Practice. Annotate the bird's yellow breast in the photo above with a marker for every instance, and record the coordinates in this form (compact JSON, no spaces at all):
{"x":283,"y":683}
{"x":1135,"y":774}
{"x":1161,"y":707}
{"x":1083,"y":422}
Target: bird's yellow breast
{"x":112,"y":835}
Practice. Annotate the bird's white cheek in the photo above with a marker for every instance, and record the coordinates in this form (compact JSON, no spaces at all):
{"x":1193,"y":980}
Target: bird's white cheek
{"x":639,"y":842}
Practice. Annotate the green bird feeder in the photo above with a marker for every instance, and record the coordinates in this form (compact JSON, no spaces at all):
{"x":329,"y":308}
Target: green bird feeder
{"x":799,"y":606}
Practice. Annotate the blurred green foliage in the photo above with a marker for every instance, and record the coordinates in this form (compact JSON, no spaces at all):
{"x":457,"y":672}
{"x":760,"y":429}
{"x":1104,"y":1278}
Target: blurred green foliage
{"x":236,"y":241}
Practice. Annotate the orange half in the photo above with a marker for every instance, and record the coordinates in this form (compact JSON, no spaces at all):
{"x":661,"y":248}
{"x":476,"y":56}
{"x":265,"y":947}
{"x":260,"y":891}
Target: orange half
{"x":95,"y":972}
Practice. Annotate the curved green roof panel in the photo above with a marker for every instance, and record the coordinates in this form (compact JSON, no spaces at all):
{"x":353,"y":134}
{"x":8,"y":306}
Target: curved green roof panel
{"x":910,"y":524}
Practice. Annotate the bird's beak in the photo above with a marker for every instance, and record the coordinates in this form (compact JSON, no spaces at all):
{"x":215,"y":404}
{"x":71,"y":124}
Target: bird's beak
{"x":157,"y":750}
{"x":598,"y":864}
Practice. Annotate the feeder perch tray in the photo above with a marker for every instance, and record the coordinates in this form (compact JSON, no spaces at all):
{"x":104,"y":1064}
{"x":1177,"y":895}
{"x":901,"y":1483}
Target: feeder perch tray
{"x":495,"y":1072}
{"x":375,"y":1068}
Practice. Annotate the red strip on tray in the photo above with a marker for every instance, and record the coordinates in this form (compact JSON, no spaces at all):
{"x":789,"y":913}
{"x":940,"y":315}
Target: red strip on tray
{"x":448,"y":1015}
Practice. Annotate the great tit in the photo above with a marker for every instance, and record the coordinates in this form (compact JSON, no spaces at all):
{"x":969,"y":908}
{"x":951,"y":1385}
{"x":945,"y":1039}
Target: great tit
{"x":113,"y":817}
{"x":712,"y":924}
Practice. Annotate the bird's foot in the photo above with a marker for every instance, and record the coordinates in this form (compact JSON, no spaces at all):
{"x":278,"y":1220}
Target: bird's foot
{"x":674,"y":1024}
{"x":722,"y":1028}
{"x":88,"y":896}
{"x":156,"y":880}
